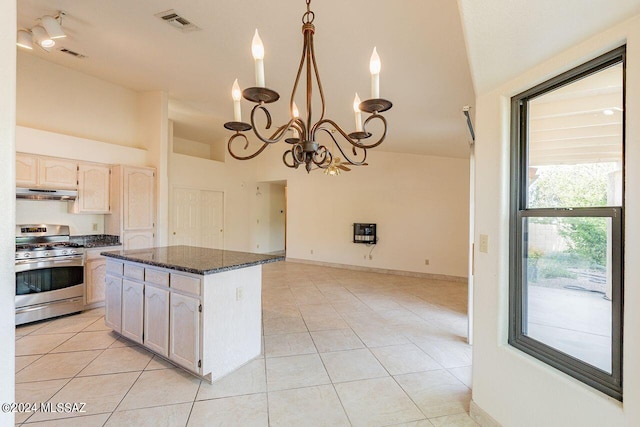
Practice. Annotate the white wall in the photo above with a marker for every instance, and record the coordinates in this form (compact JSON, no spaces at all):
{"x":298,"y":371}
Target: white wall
{"x":419,"y":203}
{"x":191,"y":148}
{"x":513,"y":388}
{"x":153,"y":133}
{"x":56,"y":212}
{"x":7,"y":201}
{"x":58,"y":99}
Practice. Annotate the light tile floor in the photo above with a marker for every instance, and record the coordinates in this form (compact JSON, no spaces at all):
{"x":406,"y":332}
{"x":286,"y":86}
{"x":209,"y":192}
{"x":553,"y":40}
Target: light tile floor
{"x":341,"y":348}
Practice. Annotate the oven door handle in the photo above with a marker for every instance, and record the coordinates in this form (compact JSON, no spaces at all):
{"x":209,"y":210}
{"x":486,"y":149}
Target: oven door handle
{"x":37,"y":264}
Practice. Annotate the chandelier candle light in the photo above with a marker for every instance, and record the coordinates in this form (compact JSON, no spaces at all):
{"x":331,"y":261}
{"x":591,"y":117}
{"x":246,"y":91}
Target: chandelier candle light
{"x":304,"y":146}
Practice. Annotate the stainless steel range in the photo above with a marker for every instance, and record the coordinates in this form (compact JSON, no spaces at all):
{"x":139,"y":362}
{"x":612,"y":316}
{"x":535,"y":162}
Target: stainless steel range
{"x":49,"y":272}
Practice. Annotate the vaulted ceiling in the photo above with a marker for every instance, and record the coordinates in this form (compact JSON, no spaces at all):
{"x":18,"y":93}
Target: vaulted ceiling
{"x":424,"y":46}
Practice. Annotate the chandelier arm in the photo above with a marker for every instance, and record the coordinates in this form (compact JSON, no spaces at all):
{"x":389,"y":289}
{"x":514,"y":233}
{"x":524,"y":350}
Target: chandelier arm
{"x":384,"y":132}
{"x":295,"y":85}
{"x":308,"y":45}
{"x":242,"y":136}
{"x":315,"y":68}
{"x":320,"y":155}
{"x":293,"y":163}
{"x":327,"y":161}
{"x":347,"y":158}
{"x":277,"y":135}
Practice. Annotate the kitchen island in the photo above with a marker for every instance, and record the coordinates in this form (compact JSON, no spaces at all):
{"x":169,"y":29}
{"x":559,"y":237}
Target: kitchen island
{"x":199,"y":308}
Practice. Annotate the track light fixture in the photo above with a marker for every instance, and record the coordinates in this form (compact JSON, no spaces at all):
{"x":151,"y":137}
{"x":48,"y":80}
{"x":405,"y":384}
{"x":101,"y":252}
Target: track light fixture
{"x":53,"y":26}
{"x":42,"y":38}
{"x":24,"y":39}
{"x":43,"y":35}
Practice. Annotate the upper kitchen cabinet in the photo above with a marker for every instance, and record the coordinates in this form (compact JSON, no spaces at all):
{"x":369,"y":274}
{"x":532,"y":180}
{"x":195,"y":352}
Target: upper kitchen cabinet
{"x":133,"y":206}
{"x":93,"y":189}
{"x":46,"y":172}
{"x":26,"y":170}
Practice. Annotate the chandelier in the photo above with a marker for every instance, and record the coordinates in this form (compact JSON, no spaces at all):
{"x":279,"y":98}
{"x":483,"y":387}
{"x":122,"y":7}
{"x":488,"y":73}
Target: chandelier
{"x":305,"y":150}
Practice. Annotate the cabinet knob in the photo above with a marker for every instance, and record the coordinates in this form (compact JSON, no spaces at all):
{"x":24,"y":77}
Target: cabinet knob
{"x":174,"y":233}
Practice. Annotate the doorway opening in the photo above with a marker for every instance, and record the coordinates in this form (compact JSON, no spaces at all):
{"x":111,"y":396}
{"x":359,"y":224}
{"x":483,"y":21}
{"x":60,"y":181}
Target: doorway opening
{"x":270,"y":218}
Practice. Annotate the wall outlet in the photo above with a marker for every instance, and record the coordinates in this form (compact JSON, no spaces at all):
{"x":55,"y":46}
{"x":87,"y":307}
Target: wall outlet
{"x":239,"y":294}
{"x":95,"y":226}
{"x":311,"y":251}
{"x":484,"y":243}
{"x":426,"y":262}
{"x":258,"y":246}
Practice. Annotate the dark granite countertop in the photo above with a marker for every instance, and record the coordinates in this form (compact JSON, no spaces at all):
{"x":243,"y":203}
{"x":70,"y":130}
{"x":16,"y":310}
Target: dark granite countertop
{"x":96,"y":240}
{"x":193,"y":259}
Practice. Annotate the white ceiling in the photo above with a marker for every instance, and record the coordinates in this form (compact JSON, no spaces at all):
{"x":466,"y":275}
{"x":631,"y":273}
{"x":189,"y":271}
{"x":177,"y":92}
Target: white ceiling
{"x":507,"y":37}
{"x":425,"y":71}
{"x":424,"y":64}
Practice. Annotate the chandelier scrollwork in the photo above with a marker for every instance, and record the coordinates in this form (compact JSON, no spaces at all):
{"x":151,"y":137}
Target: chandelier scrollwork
{"x":304,"y":148}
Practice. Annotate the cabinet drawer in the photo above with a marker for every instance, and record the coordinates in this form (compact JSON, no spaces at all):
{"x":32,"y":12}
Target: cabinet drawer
{"x":115,"y":268}
{"x":157,"y":277}
{"x":134,"y":272}
{"x":185,"y":283}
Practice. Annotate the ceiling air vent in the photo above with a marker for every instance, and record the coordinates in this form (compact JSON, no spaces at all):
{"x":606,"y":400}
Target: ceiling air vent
{"x":172,"y":18}
{"x":72,"y":53}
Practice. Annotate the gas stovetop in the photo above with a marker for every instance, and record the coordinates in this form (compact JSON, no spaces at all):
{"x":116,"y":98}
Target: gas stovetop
{"x":44,"y":241}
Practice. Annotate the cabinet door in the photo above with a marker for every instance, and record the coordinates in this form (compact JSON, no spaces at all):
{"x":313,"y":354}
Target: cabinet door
{"x":26,"y":170}
{"x":137,"y":240}
{"x":184,"y":331}
{"x":139,"y":199}
{"x":93,"y":189}
{"x":113,"y":303}
{"x":94,"y":280}
{"x":156,"y":319}
{"x":132,"y":310}
{"x":59,"y":174}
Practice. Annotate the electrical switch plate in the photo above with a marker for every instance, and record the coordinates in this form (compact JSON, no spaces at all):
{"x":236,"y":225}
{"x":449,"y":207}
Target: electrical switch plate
{"x":484,"y":243}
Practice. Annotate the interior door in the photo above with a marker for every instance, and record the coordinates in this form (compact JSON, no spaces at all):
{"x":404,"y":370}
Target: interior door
{"x":184,"y":216}
{"x":211,"y":219}
{"x":197,"y":218}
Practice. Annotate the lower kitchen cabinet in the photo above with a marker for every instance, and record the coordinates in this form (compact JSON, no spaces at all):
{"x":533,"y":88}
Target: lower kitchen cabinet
{"x":184,"y":330}
{"x":132,"y":310}
{"x":94,"y":279}
{"x":156,"y":319}
{"x":95,"y":270}
{"x":207,"y":324}
{"x":113,"y":303}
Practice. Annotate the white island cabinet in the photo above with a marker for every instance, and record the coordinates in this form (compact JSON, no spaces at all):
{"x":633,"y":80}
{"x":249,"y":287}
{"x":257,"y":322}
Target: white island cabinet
{"x":199,"y":308}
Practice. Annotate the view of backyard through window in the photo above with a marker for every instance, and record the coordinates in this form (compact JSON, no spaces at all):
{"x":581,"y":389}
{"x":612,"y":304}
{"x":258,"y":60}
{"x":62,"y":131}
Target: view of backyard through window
{"x":575,"y":161}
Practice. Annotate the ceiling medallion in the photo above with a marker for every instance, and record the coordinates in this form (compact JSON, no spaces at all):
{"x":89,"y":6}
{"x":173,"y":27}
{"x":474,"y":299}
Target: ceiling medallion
{"x":304,"y":146}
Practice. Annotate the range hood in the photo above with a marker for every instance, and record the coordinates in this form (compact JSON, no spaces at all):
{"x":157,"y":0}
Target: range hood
{"x":45,"y":194}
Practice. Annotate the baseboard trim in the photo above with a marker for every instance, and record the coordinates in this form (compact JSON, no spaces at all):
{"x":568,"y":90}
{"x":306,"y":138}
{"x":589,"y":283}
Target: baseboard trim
{"x":381,"y":270}
{"x":481,"y":417}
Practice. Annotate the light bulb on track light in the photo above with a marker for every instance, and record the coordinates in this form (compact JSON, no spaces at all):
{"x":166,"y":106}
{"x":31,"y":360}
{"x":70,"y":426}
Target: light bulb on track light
{"x":42,"y":38}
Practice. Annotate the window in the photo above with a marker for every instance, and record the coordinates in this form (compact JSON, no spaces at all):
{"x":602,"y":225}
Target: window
{"x":567,"y":220}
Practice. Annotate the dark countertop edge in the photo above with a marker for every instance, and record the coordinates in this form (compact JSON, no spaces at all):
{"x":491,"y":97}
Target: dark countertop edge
{"x":192,"y":270}
{"x":101,"y":245}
